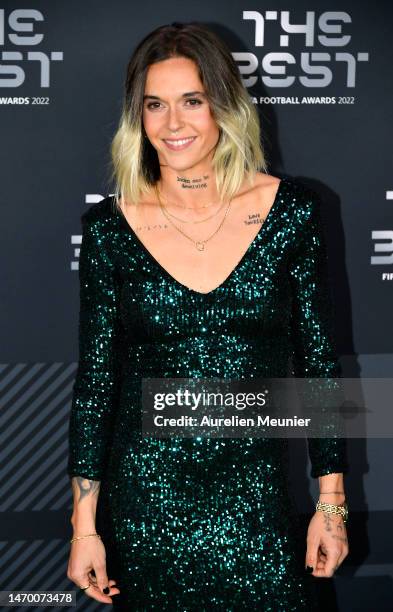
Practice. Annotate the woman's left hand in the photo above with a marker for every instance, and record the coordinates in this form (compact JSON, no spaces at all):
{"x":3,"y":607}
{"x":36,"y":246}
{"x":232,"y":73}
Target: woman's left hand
{"x":327,"y":544}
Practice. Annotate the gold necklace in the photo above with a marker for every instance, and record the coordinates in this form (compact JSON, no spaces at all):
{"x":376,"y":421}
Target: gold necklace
{"x":199,"y":244}
{"x":193,"y":222}
{"x":192,"y":207}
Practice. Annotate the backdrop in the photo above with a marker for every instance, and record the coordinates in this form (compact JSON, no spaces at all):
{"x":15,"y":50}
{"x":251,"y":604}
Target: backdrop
{"x":320,"y":75}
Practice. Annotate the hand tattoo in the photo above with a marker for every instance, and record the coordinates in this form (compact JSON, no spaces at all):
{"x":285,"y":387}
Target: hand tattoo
{"x":330,"y":524}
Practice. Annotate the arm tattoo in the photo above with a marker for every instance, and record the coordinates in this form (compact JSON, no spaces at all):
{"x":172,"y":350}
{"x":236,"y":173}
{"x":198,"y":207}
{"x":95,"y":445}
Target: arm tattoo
{"x":85,"y":486}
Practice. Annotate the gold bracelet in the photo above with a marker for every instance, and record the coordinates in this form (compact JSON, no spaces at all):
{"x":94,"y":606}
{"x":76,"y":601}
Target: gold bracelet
{"x":85,"y":536}
{"x":333,"y":509}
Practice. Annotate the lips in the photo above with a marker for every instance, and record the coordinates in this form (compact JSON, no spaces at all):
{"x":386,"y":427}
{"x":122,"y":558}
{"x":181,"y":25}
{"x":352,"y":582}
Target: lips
{"x":179,"y":144}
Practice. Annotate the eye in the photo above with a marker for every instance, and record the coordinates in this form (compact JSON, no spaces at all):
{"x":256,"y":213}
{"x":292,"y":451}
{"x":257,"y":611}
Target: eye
{"x":151,"y":105}
{"x":194,"y":100}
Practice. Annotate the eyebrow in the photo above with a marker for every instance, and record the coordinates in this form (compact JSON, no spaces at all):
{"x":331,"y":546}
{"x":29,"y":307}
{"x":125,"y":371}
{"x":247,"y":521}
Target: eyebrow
{"x":185,"y":95}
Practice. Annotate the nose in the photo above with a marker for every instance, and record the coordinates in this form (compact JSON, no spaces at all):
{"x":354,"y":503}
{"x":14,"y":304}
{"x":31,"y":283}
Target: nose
{"x":174,"y":119}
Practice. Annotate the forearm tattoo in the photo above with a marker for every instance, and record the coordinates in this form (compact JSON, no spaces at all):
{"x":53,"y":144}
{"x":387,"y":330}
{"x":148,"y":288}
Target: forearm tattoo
{"x":85,"y":486}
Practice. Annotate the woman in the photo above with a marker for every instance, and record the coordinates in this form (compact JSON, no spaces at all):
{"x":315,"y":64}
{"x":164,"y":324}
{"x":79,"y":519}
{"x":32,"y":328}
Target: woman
{"x":204,"y":267}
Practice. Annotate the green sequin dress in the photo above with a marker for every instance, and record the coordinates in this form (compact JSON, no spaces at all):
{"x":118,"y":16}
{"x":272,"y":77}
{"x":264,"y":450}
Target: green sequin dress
{"x":187,"y":523}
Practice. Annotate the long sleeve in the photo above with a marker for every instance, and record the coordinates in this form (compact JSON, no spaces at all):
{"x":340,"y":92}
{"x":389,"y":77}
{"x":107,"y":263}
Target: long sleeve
{"x":314,"y":349}
{"x":96,"y":387}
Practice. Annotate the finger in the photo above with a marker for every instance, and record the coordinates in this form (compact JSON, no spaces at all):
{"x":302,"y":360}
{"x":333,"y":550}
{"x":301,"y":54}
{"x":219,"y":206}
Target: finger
{"x":321,"y":559}
{"x":102,"y":578}
{"x":93,"y":580}
{"x":338,"y":563}
{"x":330,"y":564}
{"x":83,"y":582}
{"x":340,"y":560}
{"x":312,"y":554}
{"x":341,"y":528}
{"x":95,"y":593}
{"x":344,"y":552}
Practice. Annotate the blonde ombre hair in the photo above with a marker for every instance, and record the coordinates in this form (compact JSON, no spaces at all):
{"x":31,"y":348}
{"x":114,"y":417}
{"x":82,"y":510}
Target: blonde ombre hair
{"x":238,"y":153}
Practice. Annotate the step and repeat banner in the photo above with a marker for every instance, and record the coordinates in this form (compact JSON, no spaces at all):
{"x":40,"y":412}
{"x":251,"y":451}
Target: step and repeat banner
{"x":320,"y":75}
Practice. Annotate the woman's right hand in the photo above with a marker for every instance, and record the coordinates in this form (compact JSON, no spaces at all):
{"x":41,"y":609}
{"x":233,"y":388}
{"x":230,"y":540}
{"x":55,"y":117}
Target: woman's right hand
{"x":88,"y":554}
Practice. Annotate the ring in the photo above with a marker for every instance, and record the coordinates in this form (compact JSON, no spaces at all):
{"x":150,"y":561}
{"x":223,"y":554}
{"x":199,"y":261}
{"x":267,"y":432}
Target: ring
{"x":84,"y":588}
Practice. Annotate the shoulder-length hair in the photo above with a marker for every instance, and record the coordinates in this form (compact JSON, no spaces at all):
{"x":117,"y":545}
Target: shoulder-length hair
{"x":238,"y":154}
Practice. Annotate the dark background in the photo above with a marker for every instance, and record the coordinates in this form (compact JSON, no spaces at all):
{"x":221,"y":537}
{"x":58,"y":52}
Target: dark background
{"x":54,"y":161}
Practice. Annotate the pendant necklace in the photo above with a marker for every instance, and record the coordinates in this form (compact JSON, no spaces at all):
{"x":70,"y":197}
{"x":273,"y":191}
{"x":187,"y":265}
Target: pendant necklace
{"x":199,"y":244}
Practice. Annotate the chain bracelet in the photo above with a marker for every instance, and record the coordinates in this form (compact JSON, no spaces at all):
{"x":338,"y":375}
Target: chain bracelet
{"x":89,"y":535}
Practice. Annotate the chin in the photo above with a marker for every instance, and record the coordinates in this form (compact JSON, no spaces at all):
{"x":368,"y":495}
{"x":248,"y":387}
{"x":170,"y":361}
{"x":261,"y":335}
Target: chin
{"x":184,"y":167}
{"x":181,"y":163}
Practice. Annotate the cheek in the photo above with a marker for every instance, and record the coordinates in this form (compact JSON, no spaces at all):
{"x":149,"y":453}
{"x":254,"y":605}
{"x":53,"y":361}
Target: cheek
{"x":205,"y":123}
{"x":151,"y":122}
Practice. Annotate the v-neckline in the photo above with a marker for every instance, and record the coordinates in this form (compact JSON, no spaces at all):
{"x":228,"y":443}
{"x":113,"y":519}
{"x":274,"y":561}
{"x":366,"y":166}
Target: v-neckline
{"x":240,"y":262}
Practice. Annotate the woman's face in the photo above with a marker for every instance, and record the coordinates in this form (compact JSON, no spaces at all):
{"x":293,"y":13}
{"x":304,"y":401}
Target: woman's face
{"x":173,"y":110}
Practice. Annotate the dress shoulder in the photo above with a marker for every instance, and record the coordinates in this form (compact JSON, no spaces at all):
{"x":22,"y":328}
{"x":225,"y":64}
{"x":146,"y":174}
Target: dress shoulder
{"x":304,"y":197}
{"x":102,"y":212}
{"x":101,"y":220}
{"x":303,"y":206}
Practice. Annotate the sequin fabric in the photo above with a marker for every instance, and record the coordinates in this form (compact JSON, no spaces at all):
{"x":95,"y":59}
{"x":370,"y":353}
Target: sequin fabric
{"x":199,"y":524}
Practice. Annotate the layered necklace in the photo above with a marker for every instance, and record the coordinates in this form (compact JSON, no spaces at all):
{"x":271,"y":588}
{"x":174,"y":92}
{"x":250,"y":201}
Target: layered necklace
{"x":199,"y":244}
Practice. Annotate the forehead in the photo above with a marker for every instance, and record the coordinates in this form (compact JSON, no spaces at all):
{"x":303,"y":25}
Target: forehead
{"x":173,"y":75}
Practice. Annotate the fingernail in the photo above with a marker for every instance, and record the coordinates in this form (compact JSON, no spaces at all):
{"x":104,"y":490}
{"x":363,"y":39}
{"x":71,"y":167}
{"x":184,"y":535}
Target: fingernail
{"x":309,"y":569}
{"x":106,"y":590}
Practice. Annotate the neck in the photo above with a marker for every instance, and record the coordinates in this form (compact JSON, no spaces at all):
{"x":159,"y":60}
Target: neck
{"x":192,"y":187}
